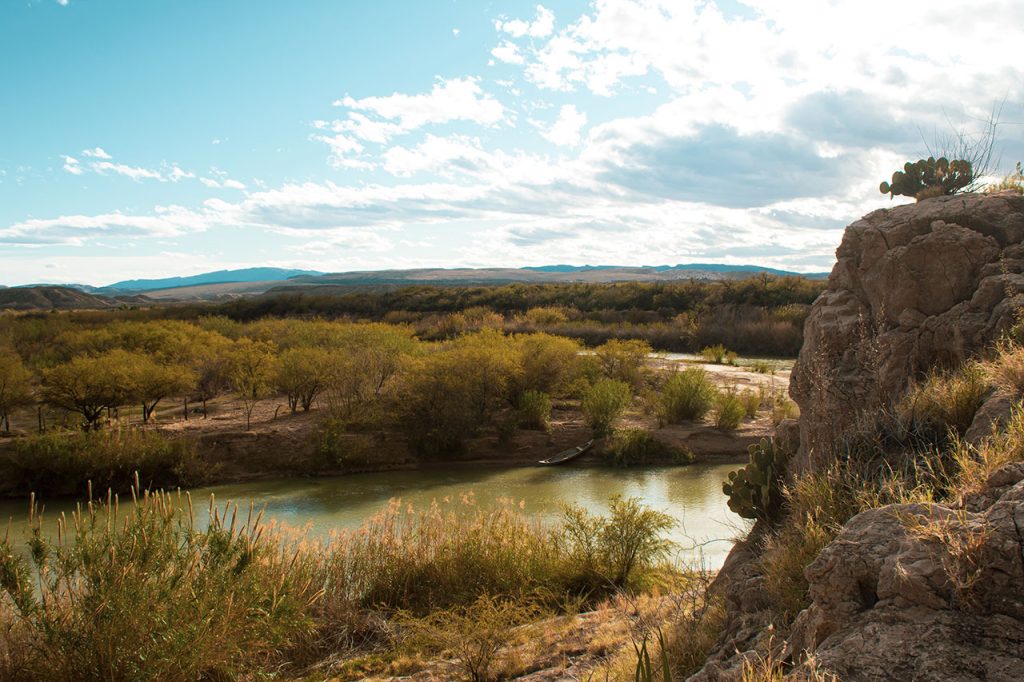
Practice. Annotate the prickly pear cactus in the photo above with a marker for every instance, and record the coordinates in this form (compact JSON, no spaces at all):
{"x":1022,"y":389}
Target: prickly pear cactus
{"x":929,"y":177}
{"x":755,"y":491}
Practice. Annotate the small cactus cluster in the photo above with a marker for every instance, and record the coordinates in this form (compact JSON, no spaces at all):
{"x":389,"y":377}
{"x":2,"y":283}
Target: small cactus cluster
{"x":755,"y":491}
{"x":929,"y":177}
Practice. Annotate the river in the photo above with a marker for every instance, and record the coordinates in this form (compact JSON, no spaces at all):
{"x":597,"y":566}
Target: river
{"x":692,"y":495}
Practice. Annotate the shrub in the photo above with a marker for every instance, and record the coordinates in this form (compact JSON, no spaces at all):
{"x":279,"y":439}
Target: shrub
{"x":630,"y":447}
{"x":687,"y":396}
{"x":533,"y":410}
{"x":751,"y":402}
{"x":603,"y":403}
{"x":63,"y":463}
{"x":607,"y":551}
{"x":715,"y":354}
{"x":729,"y":411}
{"x":623,"y":360}
{"x":755,"y":491}
{"x":762,"y":367}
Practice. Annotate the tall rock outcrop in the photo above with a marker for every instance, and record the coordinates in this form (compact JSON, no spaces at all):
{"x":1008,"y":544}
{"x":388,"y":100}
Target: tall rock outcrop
{"x":905,"y":591}
{"x":916,"y":287}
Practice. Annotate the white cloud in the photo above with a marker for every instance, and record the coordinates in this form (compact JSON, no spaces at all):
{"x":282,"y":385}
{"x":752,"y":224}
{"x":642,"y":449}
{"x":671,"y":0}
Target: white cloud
{"x":566,"y":130}
{"x":71,"y":165}
{"x":63,"y":3}
{"x":177,"y":174}
{"x":508,"y":52}
{"x":133,"y":172}
{"x":377,"y":120}
{"x":455,"y":32}
{"x":541,"y":26}
{"x":96,"y":153}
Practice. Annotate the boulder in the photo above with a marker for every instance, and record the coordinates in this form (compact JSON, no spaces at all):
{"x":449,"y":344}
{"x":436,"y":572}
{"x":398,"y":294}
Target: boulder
{"x":921,"y":592}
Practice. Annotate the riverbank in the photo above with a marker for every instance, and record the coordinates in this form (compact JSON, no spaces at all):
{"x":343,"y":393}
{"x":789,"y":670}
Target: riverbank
{"x":279,"y":443}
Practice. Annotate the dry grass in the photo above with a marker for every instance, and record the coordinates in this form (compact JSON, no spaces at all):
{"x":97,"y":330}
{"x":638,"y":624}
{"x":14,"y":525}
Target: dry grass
{"x":961,"y":541}
{"x":945,"y":402}
{"x":1006,"y":370}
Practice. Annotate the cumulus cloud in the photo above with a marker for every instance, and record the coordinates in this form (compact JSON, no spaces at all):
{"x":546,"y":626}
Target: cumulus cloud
{"x":542,"y":25}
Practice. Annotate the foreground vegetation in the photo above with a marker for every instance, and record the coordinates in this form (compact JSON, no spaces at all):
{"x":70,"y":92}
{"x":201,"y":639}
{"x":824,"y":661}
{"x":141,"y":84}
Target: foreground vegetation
{"x":146,"y":592}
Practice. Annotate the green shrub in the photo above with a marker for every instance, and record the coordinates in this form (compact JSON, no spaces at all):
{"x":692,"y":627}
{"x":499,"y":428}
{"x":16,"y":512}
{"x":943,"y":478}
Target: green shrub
{"x":729,"y":411}
{"x":762,"y":367}
{"x":715,"y":354}
{"x":623,"y":360}
{"x":629,"y":447}
{"x":687,"y":396}
{"x":606,"y":552}
{"x":533,"y":409}
{"x":755,"y":491}
{"x":603,"y":403}
{"x":64,"y":462}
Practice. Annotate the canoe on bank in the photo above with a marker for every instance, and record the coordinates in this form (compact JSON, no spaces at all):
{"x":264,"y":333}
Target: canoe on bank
{"x":567,"y":455}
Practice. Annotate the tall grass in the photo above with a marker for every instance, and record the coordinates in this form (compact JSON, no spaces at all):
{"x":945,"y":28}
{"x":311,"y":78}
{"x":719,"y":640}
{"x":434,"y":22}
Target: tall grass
{"x":144,"y":595}
{"x":144,"y":592}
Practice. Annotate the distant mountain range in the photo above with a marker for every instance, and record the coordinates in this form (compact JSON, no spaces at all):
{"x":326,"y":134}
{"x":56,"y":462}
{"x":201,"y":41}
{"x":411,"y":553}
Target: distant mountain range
{"x":227,"y":284}
{"x":218,"y":277}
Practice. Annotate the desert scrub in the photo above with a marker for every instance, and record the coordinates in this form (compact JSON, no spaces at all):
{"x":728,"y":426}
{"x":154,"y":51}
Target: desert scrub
{"x":533,"y":409}
{"x":687,"y":396}
{"x":630,"y":447}
{"x":603,"y":403}
{"x":65,"y":462}
{"x":141,"y":594}
{"x":729,"y":411}
{"x":782,"y":407}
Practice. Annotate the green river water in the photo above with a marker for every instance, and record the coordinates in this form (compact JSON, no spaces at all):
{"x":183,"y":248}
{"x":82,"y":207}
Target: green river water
{"x":692,"y":495}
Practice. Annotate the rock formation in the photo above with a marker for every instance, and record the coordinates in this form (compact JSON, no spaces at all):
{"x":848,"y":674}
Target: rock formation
{"x":904,"y":592}
{"x":915,"y":287}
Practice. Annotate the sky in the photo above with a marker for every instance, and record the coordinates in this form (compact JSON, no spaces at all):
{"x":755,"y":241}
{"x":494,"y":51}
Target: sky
{"x":173,"y":137}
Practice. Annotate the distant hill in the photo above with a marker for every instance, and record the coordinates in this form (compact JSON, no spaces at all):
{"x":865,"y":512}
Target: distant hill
{"x":218,"y":277}
{"x":229,"y":284}
{"x":45,"y":297}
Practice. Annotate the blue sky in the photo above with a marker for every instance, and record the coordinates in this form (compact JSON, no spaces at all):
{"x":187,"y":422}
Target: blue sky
{"x":170,"y":137}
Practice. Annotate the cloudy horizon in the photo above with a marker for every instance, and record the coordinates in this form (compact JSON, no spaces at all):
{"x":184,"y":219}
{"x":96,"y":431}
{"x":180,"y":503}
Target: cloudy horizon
{"x":159,"y":139}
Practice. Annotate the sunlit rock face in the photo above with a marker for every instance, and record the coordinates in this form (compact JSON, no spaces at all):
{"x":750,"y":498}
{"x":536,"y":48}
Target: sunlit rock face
{"x":916,"y":287}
